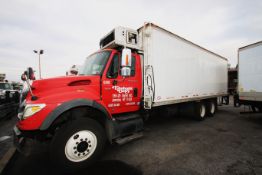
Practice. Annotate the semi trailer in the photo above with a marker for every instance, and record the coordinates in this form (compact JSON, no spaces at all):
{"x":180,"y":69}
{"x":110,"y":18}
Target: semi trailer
{"x":134,"y":72}
{"x":250,"y":76}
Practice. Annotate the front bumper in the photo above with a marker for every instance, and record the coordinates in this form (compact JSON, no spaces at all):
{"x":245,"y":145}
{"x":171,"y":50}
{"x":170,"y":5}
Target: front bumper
{"x":19,"y":140}
{"x":27,"y":145}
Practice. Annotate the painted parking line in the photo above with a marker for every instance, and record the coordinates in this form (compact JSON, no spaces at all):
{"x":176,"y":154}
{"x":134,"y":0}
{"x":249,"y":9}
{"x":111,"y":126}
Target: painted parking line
{"x":8,"y":155}
{"x":3,"y":138}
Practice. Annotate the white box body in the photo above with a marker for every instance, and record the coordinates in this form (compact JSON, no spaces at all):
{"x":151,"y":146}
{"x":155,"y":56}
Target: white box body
{"x":177,"y":70}
{"x":250,"y":72}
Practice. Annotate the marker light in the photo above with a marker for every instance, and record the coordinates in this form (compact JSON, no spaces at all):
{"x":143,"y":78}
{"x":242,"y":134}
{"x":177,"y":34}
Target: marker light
{"x":126,"y":59}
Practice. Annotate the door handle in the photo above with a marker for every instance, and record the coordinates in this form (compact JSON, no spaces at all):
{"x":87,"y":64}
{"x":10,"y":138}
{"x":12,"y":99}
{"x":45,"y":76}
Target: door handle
{"x":114,"y":82}
{"x":135,"y":92}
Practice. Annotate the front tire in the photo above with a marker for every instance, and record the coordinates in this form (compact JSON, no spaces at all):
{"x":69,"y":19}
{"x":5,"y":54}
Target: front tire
{"x":77,"y":144}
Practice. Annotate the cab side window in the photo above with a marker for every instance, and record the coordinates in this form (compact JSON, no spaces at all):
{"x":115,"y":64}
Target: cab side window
{"x":114,"y":67}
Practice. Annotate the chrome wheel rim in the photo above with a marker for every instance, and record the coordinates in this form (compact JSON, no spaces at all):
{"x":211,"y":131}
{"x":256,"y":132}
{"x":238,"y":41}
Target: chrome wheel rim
{"x":212,"y":109}
{"x":202,"y":111}
{"x":80,"y":146}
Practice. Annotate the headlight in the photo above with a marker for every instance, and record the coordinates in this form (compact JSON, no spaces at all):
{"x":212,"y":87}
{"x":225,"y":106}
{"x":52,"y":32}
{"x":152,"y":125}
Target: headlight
{"x":31,"y":109}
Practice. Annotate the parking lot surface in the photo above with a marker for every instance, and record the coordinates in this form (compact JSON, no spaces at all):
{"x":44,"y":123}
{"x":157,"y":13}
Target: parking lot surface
{"x":6,"y":133}
{"x":229,"y":143}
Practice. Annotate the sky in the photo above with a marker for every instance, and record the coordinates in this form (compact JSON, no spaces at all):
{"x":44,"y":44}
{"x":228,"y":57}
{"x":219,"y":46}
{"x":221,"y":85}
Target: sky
{"x":68,"y":31}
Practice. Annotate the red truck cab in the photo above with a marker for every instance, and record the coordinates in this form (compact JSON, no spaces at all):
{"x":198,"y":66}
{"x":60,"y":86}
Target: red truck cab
{"x":76,"y":115}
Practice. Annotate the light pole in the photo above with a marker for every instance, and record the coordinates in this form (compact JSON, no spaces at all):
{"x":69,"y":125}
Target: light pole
{"x":40,"y":52}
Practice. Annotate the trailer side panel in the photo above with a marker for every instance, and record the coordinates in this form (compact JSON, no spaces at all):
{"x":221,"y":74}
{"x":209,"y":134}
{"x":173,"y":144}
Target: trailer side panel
{"x":181,"y":70}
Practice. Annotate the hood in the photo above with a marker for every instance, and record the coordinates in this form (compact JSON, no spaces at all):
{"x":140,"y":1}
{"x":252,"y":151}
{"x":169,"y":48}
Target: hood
{"x":63,"y":83}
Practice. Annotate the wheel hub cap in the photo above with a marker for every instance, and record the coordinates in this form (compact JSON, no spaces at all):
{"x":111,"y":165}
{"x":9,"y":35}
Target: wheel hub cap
{"x":80,"y":146}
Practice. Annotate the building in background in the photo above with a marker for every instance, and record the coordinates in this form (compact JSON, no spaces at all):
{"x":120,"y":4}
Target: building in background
{"x":2,"y":77}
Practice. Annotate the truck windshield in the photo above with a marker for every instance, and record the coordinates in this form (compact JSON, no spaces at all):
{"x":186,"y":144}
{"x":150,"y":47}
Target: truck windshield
{"x":5,"y":86}
{"x":95,"y":63}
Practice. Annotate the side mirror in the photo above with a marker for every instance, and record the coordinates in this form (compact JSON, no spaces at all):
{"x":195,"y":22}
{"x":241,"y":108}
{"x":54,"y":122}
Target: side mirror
{"x":30,"y":73}
{"x":26,"y":76}
{"x":23,"y":76}
{"x":126,"y":62}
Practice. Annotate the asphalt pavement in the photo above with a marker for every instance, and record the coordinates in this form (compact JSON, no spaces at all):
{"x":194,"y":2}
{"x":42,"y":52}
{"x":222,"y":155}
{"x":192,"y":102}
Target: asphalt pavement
{"x":6,"y":131}
{"x":229,"y":143}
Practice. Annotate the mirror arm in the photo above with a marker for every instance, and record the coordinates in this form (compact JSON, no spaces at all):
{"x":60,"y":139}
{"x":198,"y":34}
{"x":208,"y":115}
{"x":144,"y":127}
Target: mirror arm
{"x":30,"y":89}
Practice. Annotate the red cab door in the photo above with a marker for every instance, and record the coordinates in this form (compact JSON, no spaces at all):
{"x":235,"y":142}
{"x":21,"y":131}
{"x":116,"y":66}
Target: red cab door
{"x":122,"y":94}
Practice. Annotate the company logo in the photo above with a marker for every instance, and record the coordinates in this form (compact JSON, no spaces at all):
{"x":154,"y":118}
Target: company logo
{"x":120,"y":90}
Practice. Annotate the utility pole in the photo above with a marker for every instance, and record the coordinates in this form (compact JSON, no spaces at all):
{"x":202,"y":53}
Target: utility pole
{"x":40,"y":52}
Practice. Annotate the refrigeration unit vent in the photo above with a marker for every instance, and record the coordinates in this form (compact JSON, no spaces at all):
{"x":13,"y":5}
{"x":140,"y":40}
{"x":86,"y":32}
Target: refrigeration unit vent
{"x":107,"y":39}
{"x":120,"y":36}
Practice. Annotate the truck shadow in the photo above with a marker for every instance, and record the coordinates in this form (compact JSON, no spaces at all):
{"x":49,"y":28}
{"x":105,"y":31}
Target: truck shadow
{"x":163,"y":117}
{"x":253,"y":118}
{"x":39,"y":164}
{"x":114,"y":167}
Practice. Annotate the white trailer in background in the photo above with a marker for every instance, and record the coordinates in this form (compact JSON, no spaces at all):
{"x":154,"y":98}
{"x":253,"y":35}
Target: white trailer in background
{"x":250,"y":75}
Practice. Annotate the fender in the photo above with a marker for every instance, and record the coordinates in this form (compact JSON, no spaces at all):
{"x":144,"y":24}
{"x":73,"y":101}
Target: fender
{"x":69,"y":105}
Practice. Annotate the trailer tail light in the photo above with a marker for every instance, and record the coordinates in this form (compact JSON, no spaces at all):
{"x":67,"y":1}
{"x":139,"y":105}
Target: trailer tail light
{"x":79,"y":83}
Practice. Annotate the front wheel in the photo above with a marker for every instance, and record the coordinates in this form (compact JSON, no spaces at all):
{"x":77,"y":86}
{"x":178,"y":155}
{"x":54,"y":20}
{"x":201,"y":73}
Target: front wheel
{"x":77,"y":144}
